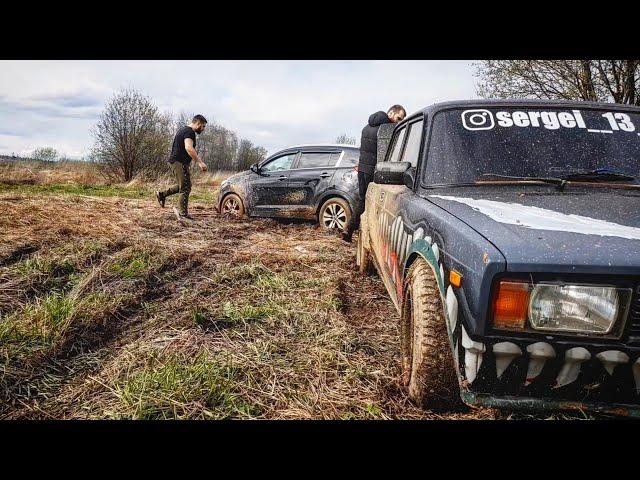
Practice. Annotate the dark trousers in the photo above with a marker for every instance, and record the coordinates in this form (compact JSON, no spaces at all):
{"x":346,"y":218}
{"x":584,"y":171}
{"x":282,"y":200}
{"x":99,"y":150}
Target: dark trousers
{"x":183,"y":187}
{"x":364,"y":179}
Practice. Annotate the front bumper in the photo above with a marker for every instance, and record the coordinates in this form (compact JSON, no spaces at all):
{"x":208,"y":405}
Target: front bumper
{"x":540,"y":374}
{"x":540,"y":404}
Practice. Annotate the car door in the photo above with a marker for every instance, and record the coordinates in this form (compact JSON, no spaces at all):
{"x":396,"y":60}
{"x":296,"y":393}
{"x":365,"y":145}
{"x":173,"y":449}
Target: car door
{"x":312,"y":176}
{"x":269,"y":186}
{"x":395,"y":238}
{"x":376,"y":195}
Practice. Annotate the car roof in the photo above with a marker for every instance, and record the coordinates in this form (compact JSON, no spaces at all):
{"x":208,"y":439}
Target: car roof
{"x":515,"y":102}
{"x":321,"y":145}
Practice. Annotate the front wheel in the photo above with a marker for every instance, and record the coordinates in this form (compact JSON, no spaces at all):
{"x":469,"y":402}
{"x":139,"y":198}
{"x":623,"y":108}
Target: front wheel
{"x":428,"y":370}
{"x":232,"y":205}
{"x":335,"y":213}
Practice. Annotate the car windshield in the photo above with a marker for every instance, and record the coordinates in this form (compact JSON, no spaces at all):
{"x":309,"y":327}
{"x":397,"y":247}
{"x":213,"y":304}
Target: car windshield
{"x":469,"y":145}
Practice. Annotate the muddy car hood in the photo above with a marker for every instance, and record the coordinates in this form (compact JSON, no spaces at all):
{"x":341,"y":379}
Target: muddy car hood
{"x":236,"y":177}
{"x":588,"y":230}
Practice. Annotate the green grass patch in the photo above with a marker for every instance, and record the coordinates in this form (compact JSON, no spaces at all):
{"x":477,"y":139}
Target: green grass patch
{"x":138,"y":265}
{"x":180,"y":387}
{"x":75,"y":189}
{"x":59,"y":269}
{"x":144,"y":192}
{"x":36,"y":327}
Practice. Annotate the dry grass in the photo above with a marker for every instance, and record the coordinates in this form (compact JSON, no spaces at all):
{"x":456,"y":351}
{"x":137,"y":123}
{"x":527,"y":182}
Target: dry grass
{"x":72,"y":173}
{"x":49,"y":173}
{"x":110,"y":308}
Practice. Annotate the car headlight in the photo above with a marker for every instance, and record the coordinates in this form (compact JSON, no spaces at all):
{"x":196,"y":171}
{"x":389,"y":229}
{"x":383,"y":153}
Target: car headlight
{"x":562,"y":308}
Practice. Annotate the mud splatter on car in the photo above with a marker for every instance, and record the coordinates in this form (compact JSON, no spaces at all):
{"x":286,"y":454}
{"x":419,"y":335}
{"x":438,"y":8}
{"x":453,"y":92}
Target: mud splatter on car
{"x":507,"y":234}
{"x":307,"y":182}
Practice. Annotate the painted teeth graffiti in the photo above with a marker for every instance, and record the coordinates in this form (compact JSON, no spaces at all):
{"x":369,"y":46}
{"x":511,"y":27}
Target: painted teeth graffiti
{"x":505,"y":353}
{"x":473,"y":352}
{"x":611,"y":359}
{"x":573,"y":359}
{"x":539,"y":353}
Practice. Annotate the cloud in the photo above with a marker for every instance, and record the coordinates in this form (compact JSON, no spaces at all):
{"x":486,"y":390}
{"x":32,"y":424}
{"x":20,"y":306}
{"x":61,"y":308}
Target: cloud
{"x":272,"y":103}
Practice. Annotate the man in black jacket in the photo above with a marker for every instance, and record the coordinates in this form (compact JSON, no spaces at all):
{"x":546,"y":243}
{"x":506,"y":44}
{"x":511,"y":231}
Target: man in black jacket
{"x":368,"y":158}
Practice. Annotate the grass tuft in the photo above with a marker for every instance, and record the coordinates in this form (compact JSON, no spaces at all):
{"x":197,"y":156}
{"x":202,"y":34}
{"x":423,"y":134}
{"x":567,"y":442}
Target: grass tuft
{"x":177,"y":387}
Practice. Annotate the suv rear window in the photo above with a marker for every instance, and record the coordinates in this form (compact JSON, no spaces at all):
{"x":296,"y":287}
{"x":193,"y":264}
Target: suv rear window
{"x":318,"y":160}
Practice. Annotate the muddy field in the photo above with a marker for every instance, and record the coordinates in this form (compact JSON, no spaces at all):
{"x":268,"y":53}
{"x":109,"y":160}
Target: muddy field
{"x":111,"y":308}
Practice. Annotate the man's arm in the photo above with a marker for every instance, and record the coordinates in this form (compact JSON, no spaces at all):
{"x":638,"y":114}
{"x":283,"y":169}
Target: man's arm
{"x":188,"y":145}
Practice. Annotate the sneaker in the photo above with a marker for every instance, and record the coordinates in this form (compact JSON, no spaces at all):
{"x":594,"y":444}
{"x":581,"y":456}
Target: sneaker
{"x":160,"y":198}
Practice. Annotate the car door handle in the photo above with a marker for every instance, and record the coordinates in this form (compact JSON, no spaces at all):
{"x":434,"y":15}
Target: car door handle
{"x":325,"y":175}
{"x":282,"y":177}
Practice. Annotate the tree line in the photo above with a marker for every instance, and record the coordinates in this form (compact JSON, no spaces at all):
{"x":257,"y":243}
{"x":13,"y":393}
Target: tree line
{"x":133,"y":138}
{"x":616,"y":81}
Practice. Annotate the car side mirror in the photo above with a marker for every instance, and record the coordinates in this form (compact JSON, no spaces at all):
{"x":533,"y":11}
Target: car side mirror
{"x":384,"y":139}
{"x":254,"y":168}
{"x":391,"y":173}
{"x":409,"y":177}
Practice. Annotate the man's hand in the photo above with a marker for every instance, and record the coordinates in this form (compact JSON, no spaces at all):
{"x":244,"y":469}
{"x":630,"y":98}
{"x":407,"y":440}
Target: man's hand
{"x":203,"y":166}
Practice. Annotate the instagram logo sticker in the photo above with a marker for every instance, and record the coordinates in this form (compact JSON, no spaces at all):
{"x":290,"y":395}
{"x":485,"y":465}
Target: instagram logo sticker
{"x":477,"y":120}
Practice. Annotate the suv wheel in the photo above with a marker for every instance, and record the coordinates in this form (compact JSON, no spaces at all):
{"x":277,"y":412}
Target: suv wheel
{"x":232,"y":205}
{"x":428,"y":370}
{"x":335,"y":213}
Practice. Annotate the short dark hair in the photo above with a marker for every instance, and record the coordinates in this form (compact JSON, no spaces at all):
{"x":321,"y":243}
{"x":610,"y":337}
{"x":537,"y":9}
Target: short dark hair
{"x":397,"y":109}
{"x":198,"y":119}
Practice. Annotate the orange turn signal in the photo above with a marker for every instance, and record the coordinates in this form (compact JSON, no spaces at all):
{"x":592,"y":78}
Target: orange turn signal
{"x":455,"y":278}
{"x":510,"y":305}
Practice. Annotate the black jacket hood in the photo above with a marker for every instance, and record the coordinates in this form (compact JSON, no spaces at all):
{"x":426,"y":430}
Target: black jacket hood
{"x":378,"y":118}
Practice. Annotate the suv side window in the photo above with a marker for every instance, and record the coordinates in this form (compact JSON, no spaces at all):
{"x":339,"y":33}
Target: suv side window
{"x":318,"y":160}
{"x":412,"y":150}
{"x":351,"y":158}
{"x":281,"y":163}
{"x":397,"y":145}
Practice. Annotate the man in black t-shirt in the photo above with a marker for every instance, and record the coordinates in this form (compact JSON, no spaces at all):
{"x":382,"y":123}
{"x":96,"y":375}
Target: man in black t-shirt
{"x":182,"y":151}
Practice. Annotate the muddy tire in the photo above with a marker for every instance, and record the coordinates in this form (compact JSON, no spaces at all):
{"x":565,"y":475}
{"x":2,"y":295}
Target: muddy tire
{"x":335,"y":213}
{"x":363,"y":257}
{"x":232,"y":205}
{"x":428,"y":370}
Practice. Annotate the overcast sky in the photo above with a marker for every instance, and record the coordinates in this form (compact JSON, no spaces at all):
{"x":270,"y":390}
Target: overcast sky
{"x":272,"y":103}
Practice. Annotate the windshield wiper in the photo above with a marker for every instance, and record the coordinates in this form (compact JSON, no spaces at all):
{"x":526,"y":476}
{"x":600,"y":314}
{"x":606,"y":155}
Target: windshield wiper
{"x":560,"y":182}
{"x":599,"y":175}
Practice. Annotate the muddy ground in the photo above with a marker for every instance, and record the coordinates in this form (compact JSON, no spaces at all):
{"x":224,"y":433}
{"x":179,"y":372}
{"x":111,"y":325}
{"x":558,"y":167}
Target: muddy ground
{"x":111,"y":308}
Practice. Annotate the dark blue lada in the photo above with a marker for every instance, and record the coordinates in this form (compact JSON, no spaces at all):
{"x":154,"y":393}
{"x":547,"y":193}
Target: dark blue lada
{"x":508,"y":236}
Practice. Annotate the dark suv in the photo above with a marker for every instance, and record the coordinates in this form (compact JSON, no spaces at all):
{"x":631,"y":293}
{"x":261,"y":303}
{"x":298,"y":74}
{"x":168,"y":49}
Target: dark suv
{"x":308,"y":181}
{"x":507,"y":234}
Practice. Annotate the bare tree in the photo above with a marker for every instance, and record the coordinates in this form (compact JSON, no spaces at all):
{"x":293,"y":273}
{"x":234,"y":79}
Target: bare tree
{"x":345,"y":139}
{"x":593,"y":80}
{"x":131,"y":136}
{"x":46,"y":154}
